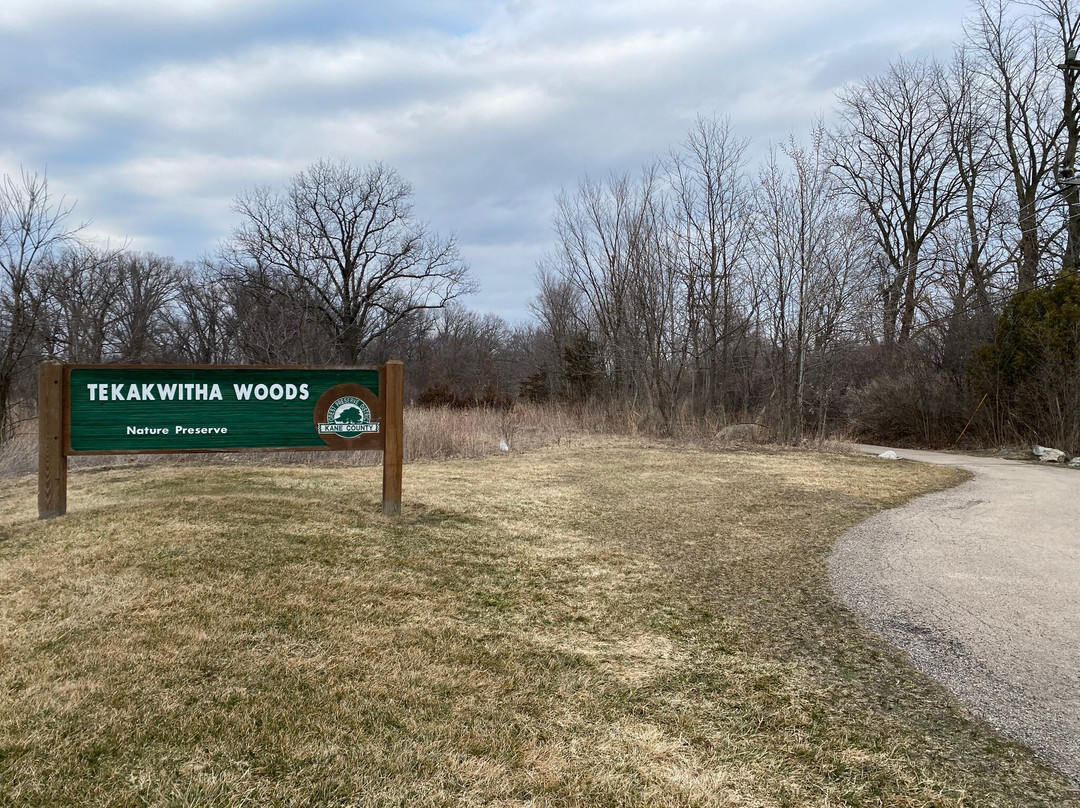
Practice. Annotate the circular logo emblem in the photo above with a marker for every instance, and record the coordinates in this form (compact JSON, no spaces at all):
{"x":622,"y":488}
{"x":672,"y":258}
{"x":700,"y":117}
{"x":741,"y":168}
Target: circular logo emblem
{"x":347,"y":416}
{"x":342,"y":414}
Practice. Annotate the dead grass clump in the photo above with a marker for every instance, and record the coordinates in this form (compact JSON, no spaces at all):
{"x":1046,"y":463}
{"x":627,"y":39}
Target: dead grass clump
{"x":19,"y":454}
{"x":838,"y":445}
{"x":443,"y":433}
{"x":438,"y":433}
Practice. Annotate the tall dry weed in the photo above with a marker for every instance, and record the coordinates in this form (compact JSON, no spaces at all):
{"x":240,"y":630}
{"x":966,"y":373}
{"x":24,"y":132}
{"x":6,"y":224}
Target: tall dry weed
{"x":441,"y":433}
{"x":437,"y":433}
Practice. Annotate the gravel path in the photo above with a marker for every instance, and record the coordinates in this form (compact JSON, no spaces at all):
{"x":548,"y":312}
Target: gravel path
{"x":980,"y":585}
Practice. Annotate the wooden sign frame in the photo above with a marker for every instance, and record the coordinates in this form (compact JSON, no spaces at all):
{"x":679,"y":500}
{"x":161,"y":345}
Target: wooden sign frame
{"x":55,"y":438}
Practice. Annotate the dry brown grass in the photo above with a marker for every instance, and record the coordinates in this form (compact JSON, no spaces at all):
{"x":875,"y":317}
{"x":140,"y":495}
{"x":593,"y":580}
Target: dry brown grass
{"x":438,"y":433}
{"x":614,"y":625}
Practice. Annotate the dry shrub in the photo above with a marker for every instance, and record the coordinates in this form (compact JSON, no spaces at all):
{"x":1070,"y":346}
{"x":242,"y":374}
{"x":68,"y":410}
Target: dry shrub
{"x":913,"y":405}
{"x":434,"y":433}
{"x":744,"y":433}
{"x":437,"y":433}
{"x":838,"y":445}
{"x":447,"y":432}
{"x":19,"y":455}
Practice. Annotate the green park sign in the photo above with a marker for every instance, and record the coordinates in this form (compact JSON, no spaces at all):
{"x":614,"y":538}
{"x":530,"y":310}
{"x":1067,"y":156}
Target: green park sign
{"x":134,"y":409}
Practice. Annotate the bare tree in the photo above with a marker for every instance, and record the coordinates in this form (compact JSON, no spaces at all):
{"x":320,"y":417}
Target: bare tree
{"x":83,"y":300}
{"x":277,"y":319}
{"x":974,"y":247}
{"x":658,"y":305}
{"x":617,"y":262}
{"x":466,"y":358}
{"x":811,"y":257}
{"x":200,"y":324}
{"x":108,"y":305}
{"x":1013,"y":57}
{"x":148,"y":285}
{"x":1060,"y":19}
{"x":970,"y":250}
{"x":33,"y":228}
{"x":892,"y":156}
{"x":595,"y":230}
{"x":714,"y":209}
{"x":558,"y":310}
{"x":348,"y":238}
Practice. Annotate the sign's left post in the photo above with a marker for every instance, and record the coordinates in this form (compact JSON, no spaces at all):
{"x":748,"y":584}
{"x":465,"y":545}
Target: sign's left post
{"x":52,"y":461}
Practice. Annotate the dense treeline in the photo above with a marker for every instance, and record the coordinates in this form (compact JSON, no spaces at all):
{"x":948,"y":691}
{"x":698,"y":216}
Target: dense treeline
{"x":334,"y":270}
{"x":891,"y":273}
{"x":856,"y":278}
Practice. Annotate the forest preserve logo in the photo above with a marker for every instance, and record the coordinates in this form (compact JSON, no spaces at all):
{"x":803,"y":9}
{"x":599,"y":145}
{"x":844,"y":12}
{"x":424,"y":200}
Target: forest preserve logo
{"x":348,"y":417}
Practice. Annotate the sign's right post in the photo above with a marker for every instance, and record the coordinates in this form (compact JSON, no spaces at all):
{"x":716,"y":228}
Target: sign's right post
{"x":393,"y":385}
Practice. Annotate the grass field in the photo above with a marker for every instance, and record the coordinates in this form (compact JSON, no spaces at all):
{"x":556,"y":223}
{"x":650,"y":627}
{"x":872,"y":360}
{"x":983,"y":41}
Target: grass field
{"x":608,"y":625}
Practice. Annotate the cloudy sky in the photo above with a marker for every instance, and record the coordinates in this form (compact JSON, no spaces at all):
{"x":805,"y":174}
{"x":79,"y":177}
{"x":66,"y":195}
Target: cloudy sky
{"x":154,"y":116}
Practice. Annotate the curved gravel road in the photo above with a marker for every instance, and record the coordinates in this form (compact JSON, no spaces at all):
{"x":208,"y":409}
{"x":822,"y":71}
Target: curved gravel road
{"x":980,"y":585}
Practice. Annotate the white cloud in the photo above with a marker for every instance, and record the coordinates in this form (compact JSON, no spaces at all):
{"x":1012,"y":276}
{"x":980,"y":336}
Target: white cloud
{"x":409,"y":77}
{"x":9,"y":164}
{"x":23,"y":15}
{"x":187,"y":175}
{"x":484,"y":120}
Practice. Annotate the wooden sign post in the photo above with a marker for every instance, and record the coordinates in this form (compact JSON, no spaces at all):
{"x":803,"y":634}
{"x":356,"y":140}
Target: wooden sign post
{"x":394,"y":436}
{"x":52,"y":461}
{"x":150,"y":409}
